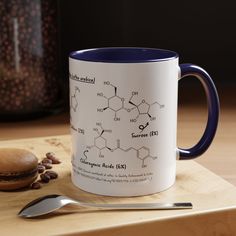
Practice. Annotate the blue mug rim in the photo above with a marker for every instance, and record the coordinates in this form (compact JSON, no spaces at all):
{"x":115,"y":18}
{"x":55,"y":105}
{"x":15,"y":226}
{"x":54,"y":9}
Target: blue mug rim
{"x":124,"y":55}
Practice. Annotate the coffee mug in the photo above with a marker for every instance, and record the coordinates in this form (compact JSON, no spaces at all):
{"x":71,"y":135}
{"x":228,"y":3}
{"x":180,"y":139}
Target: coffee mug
{"x":123,"y":114}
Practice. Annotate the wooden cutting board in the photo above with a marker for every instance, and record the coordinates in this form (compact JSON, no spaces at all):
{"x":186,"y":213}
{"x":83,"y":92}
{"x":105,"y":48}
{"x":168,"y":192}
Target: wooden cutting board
{"x":213,"y":198}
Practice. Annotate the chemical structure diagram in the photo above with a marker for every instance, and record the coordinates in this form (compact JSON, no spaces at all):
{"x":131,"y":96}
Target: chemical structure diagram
{"x":116,"y":103}
{"x":100,"y":143}
{"x":74,"y":99}
{"x":143,"y":107}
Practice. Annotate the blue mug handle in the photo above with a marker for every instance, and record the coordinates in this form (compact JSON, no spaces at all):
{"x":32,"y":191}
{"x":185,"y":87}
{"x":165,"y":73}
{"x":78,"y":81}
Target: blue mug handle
{"x":213,"y":111}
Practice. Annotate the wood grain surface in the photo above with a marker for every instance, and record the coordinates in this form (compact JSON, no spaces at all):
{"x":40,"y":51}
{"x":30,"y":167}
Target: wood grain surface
{"x":213,"y":198}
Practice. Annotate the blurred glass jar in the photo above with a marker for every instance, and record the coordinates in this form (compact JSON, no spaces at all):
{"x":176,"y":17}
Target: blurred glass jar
{"x":29,"y":75}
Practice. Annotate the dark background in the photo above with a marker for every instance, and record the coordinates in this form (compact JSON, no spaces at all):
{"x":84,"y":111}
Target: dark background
{"x":202,"y":32}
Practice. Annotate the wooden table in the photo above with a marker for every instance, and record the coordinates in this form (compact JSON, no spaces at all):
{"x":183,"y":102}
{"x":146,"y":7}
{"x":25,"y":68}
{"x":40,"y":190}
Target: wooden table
{"x":215,"y":198}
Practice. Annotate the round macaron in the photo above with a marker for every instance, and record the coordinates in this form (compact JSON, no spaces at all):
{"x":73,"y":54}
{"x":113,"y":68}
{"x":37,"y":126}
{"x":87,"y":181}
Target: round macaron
{"x":18,"y":168}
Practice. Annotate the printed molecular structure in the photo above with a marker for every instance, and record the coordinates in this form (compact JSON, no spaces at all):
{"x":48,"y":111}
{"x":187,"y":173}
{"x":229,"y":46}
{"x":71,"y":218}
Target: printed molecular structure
{"x":114,"y":103}
{"x":143,"y":153}
{"x":74,"y":99}
{"x":100,"y":143}
{"x":143,"y":107}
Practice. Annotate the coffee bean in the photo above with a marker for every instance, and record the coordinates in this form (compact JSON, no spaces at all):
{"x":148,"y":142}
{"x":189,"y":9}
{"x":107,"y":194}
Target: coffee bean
{"x":41,"y":168}
{"x":56,"y":161}
{"x":50,"y":155}
{"x":35,"y":185}
{"x":45,"y":178}
{"x":52,"y":174}
{"x":46,"y":160}
{"x":53,"y":158}
{"x":47,"y":165}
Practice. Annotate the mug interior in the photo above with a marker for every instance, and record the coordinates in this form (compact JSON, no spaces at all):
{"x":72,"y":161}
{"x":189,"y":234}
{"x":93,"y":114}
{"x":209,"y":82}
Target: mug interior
{"x":124,"y":55}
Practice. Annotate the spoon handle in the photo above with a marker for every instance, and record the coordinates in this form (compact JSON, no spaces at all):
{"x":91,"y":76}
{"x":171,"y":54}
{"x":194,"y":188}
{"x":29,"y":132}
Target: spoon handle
{"x":140,"y":206}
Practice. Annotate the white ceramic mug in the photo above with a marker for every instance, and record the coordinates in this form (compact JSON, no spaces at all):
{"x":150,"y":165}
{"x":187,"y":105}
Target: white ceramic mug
{"x":123,"y":107}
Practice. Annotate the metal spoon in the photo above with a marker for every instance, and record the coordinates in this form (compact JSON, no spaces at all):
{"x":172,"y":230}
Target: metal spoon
{"x":50,"y":203}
